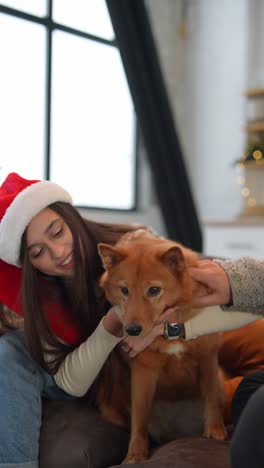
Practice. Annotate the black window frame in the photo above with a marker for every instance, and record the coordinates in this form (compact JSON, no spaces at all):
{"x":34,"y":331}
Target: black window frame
{"x":51,"y":26}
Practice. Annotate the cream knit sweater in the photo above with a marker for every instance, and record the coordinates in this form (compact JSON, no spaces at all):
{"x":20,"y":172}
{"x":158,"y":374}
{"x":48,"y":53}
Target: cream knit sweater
{"x":80,"y":367}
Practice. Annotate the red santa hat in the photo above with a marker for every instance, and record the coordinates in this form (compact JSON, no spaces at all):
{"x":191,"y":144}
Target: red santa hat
{"x":20,"y":201}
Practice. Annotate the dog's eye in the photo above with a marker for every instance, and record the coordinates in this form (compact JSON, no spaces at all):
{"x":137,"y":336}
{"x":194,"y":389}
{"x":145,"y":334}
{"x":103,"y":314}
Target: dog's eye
{"x":154,"y":290}
{"x":124,"y":290}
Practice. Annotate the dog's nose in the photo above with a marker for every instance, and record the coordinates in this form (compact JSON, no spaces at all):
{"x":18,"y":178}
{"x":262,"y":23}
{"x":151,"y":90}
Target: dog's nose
{"x":133,"y":329}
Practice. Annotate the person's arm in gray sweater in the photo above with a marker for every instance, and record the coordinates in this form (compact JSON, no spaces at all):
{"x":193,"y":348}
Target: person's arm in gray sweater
{"x":233,"y":284}
{"x":237,"y":286}
{"x":246,"y":278}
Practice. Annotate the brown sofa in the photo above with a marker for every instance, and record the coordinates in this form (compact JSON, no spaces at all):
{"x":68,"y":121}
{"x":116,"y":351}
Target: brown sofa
{"x":75,"y":436}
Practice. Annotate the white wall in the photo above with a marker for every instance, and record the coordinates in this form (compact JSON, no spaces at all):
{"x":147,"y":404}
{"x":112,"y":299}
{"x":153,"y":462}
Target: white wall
{"x":216,"y":77}
{"x":256,"y":44}
{"x":206,"y":74}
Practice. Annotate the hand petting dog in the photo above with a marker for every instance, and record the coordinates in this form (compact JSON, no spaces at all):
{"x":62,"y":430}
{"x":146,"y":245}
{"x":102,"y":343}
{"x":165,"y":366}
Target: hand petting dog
{"x":133,"y":345}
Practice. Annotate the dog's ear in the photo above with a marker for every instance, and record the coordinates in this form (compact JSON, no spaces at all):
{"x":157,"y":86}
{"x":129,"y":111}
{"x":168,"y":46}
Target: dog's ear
{"x":110,"y":255}
{"x":173,"y":258}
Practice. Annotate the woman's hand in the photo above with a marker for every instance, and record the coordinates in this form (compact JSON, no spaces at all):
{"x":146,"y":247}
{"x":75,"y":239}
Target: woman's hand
{"x":134,"y":345}
{"x":216,"y":281}
{"x":112,"y":322}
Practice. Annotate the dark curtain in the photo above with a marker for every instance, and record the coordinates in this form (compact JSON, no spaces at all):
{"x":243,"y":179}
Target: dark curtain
{"x":140,"y":59}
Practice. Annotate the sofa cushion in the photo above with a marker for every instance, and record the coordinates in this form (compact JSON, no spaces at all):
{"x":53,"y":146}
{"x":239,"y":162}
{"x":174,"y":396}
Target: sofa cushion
{"x":73,"y":435}
{"x":188,"y":453}
{"x":242,"y":350}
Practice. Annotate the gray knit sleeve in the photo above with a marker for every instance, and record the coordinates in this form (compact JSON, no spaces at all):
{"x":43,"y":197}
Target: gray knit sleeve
{"x":246,"y":276}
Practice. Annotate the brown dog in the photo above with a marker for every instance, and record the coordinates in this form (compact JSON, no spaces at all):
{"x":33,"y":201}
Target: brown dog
{"x":145,"y":275}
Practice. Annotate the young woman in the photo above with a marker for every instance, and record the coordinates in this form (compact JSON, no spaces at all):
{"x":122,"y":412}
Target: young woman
{"x":49,"y":271}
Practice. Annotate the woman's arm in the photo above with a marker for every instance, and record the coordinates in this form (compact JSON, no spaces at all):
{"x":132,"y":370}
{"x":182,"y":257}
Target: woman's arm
{"x":80,"y":367}
{"x":214,"y":319}
{"x":211,"y":319}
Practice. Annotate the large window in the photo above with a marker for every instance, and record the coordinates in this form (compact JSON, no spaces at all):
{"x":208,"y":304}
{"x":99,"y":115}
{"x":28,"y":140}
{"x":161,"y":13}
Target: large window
{"x":66,"y":113}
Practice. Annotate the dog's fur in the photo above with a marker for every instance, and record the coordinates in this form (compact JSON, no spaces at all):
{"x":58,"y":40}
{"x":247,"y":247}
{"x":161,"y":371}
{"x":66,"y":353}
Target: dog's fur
{"x":145,"y":275}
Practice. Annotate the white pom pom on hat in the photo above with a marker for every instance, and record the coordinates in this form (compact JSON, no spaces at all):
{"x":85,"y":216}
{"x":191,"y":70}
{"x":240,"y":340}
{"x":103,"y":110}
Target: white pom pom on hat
{"x":20,"y":201}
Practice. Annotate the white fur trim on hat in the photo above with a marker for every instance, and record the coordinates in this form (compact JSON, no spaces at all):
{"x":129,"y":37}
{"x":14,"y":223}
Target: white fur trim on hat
{"x":18,"y":215}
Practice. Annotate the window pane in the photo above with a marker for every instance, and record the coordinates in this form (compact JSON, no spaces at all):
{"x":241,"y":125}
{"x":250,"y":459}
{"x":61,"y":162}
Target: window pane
{"x":22,"y":84}
{"x":93,"y":124}
{"x":34,"y":7}
{"x":90,"y":16}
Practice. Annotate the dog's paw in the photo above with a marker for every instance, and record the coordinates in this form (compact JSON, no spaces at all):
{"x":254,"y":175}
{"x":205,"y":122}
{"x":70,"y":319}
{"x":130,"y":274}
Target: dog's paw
{"x":137,"y":452}
{"x":135,"y":458}
{"x":216,"y":431}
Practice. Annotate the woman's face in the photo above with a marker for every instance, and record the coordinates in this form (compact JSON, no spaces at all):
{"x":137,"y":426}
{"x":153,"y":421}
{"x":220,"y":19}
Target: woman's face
{"x":49,"y":244}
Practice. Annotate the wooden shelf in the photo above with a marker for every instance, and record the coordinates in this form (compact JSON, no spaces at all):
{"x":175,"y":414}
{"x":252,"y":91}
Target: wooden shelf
{"x":254,"y":92}
{"x":250,"y":164}
{"x":236,"y":222}
{"x":256,"y":126}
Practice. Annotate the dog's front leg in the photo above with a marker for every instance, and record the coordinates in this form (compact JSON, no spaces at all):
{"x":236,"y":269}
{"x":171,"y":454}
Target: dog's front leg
{"x":213,"y":395}
{"x":143,"y":386}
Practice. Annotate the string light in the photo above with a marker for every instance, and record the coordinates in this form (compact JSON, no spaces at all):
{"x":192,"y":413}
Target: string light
{"x":241,"y":180}
{"x":257,"y":155}
{"x":245,"y":192}
{"x":250,"y":161}
{"x":252,"y":201}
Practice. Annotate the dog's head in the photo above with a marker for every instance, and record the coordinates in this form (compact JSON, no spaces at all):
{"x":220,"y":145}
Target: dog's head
{"x":145,"y":277}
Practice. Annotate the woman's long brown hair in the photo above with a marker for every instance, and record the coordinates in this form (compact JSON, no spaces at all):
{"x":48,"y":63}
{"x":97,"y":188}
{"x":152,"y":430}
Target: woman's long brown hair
{"x":81,"y":293}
